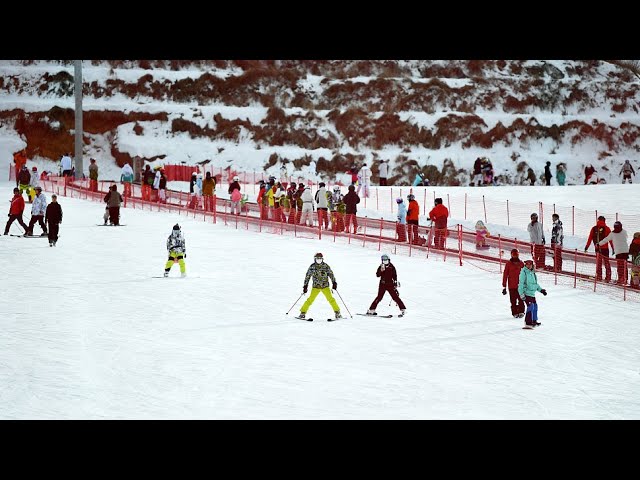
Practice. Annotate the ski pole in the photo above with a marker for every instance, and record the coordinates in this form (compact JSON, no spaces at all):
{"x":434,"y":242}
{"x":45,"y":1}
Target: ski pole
{"x":294,"y":303}
{"x":345,"y":305}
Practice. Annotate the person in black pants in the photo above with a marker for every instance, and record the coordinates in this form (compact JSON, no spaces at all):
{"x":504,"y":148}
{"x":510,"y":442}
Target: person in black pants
{"x":388,"y":283}
{"x":53,"y":218}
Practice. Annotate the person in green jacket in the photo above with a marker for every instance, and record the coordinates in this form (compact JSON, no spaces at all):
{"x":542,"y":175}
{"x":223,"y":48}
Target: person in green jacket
{"x":527,"y":288}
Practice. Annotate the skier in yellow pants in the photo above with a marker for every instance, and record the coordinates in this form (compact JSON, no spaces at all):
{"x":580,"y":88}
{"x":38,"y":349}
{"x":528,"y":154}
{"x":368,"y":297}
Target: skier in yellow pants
{"x":177,"y":251}
{"x":320,"y":272}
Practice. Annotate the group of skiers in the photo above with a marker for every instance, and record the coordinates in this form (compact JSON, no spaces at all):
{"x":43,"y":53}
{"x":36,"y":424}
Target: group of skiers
{"x":45,"y":215}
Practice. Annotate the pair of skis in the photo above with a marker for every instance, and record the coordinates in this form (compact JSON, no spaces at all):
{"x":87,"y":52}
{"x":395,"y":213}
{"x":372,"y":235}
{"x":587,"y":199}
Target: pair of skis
{"x":311,"y":319}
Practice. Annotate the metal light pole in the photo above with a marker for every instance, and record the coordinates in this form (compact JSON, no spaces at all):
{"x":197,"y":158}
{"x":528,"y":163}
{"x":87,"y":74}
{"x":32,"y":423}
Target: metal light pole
{"x":78,"y":115}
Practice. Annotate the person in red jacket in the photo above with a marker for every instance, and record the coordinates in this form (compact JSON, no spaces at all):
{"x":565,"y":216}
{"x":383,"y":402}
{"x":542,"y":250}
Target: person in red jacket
{"x":15,"y":211}
{"x":438,"y":215}
{"x":597,"y":234}
{"x":510,"y":279}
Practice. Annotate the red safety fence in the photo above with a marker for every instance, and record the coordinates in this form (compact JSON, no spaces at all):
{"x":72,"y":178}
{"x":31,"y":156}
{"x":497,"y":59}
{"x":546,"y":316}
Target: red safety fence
{"x":455,"y":243}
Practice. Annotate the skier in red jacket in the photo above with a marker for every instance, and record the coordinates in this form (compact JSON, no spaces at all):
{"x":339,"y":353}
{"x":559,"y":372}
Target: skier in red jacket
{"x":15,"y":211}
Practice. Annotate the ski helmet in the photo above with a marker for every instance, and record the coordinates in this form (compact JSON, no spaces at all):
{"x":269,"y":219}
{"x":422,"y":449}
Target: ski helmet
{"x":176,"y":227}
{"x":318,"y":255}
{"x":321,"y":184}
{"x":336,"y":188}
{"x":515,"y":251}
{"x":411,"y":197}
{"x":398,"y":200}
{"x":301,"y":185}
{"x":528,"y":261}
{"x":34,"y":169}
{"x":236,"y":178}
{"x":385,"y":257}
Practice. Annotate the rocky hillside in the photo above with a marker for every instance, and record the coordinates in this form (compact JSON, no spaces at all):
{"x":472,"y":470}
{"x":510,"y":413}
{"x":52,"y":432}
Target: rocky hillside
{"x":436,"y":117}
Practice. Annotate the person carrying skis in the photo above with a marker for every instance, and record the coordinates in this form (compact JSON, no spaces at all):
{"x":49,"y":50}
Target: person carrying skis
{"x":388,"y":283}
{"x":321,"y":272}
{"x":510,"y":278}
{"x":527,"y":288}
{"x":177,"y":251}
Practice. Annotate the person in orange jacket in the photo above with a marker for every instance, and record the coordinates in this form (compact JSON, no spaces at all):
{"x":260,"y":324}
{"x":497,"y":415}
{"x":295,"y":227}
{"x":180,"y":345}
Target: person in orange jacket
{"x":20,"y":159}
{"x":438,"y":215}
{"x":413,"y":213}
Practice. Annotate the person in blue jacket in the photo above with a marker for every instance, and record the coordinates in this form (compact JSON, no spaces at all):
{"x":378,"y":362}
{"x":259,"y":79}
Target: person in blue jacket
{"x":527,"y":288}
{"x":401,"y":226}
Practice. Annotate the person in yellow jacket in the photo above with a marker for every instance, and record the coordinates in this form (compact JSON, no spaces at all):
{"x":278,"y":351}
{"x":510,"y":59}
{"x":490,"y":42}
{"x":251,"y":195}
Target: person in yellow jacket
{"x":208,"y":192}
{"x":177,"y":251}
{"x":321,"y":272}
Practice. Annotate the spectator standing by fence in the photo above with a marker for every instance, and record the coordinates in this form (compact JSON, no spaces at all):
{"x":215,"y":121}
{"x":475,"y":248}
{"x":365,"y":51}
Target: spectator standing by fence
{"x":599,"y":231}
{"x":323,"y":206}
{"x":351,"y":199}
{"x":536,"y":236}
{"x":20,"y":159}
{"x":401,"y":226}
{"x":439,"y":215}
{"x":126,"y":177}
{"x":413,"y":218}
{"x":65,"y":164}
{"x":208,"y":192}
{"x":634,"y":251}
{"x":557,"y":237}
{"x":93,"y":176}
{"x":147,"y":181}
{"x":620,"y":248}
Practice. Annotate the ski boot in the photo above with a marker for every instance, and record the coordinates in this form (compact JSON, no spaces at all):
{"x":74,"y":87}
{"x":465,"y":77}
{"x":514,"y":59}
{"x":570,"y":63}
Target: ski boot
{"x":182,"y":275}
{"x":338,"y":315}
{"x":166,"y":274}
{"x":402,"y":312}
{"x":302,"y":315}
{"x":371,"y":312}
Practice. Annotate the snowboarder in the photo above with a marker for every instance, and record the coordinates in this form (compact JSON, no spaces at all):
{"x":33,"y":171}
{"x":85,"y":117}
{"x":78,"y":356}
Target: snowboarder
{"x":177,"y":251}
{"x":15,"y":211}
{"x":388,"y":283}
{"x":321,"y":272}
{"x":510,"y":279}
{"x":113,"y":199}
{"x":53,"y":218}
{"x":481,"y":235}
{"x":527,"y":288}
{"x":626,"y":171}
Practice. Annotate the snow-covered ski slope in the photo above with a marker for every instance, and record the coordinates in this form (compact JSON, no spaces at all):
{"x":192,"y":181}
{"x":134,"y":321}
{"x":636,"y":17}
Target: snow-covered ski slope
{"x":88,"y":333}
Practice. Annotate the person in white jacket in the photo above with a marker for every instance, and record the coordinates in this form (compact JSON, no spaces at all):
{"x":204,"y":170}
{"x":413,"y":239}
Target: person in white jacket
{"x":384,"y":172}
{"x":38,"y":211}
{"x":307,"y":207}
{"x":323,"y":205}
{"x":620,"y":241}
{"x":34,"y":182}
{"x":364,"y":180}
{"x":536,"y":235}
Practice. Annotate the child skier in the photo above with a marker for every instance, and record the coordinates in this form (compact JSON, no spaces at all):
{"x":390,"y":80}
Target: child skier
{"x":321,"y":272}
{"x":388,"y":283}
{"x":481,"y":235}
{"x":177,"y":251}
{"x":527,"y":288}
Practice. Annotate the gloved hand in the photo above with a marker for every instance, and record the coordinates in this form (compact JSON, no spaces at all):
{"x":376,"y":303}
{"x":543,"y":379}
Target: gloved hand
{"x":544,"y":292}
{"x":304,"y":289}
{"x":335,"y":285}
{"x":504,"y":291}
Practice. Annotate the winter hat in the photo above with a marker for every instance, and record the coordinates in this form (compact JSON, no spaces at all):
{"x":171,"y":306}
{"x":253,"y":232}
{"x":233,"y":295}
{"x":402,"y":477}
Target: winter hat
{"x":636,"y":235}
{"x":528,"y":261}
{"x":351,"y":188}
{"x":602,"y":218}
{"x":385,"y":257}
{"x":515,"y":250}
{"x":318,"y":255}
{"x":34,"y":169}
{"x":438,"y":201}
{"x":411,"y":197}
{"x":176,"y":227}
{"x":617,"y":227}
{"x":398,"y":200}
{"x":534,"y":215}
{"x":321,"y":184}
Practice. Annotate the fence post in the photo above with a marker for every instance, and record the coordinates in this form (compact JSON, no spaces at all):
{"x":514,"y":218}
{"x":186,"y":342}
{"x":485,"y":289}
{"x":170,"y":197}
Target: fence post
{"x":449,"y":205}
{"x":500,"y":251}
{"x":465,"y":205}
{"x":484,"y":205}
{"x":541,"y":209}
{"x":377,"y":203}
{"x":460,"y":243}
{"x":575,"y":267}
{"x":573,"y":220}
{"x":380,"y":237}
{"x":424,"y":205}
{"x":364,"y":232}
{"x":508,"y":213}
